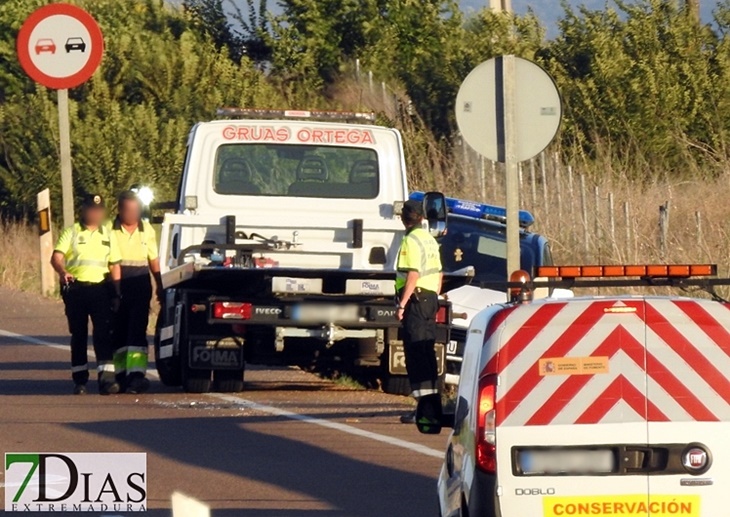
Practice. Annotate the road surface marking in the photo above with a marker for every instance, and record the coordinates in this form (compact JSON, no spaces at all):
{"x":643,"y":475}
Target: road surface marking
{"x":274,"y":411}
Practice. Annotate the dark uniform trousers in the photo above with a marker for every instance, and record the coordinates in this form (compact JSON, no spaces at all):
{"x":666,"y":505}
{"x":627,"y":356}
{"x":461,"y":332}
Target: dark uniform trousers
{"x":419,"y":339}
{"x":130,"y":329}
{"x":83,"y":301}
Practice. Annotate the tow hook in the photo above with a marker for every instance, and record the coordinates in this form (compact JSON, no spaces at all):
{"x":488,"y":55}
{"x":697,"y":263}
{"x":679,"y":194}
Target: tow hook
{"x":332,"y":333}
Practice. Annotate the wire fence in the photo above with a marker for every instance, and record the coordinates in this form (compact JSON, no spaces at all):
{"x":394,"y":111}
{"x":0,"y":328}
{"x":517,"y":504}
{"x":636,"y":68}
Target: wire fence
{"x":589,"y":216}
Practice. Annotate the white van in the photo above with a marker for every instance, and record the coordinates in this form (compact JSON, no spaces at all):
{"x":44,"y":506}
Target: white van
{"x":591,"y":406}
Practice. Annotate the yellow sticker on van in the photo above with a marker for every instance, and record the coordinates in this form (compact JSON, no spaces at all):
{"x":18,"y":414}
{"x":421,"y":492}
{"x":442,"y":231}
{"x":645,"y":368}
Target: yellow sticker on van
{"x":573,"y":365}
{"x":623,"y":505}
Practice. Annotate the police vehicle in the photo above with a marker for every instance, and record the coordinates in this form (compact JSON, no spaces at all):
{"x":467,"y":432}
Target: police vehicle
{"x":476,"y":237}
{"x":600,"y":405}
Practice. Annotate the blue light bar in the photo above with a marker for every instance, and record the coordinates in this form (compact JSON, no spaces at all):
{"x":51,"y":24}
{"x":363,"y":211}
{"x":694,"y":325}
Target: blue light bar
{"x":480,"y":210}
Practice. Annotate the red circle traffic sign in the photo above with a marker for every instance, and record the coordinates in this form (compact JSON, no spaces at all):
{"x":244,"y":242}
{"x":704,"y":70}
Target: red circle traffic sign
{"x":60,"y":46}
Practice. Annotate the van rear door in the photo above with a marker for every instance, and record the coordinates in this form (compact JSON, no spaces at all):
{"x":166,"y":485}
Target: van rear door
{"x":571,"y":409}
{"x":688,"y":360}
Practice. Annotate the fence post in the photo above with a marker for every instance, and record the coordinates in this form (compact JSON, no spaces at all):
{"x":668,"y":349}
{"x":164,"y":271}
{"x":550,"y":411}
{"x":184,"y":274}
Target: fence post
{"x":370,"y":80}
{"x":627,"y":219}
{"x":532,"y":183}
{"x":584,"y":210}
{"x":698,"y":222}
{"x":597,"y":236}
{"x":663,"y":229}
{"x":611,"y":219}
{"x":543,"y":173}
{"x":357,"y":69}
{"x":482,"y":179}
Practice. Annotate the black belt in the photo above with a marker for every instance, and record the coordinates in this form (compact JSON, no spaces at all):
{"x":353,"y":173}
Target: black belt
{"x":421,"y":290}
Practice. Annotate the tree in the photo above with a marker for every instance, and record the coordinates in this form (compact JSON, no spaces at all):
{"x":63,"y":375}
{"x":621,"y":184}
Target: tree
{"x":210,"y":19}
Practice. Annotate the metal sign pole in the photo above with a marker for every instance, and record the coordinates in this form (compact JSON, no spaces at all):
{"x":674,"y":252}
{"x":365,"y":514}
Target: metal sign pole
{"x":511,"y":167}
{"x":504,"y":73}
{"x":64,"y":131}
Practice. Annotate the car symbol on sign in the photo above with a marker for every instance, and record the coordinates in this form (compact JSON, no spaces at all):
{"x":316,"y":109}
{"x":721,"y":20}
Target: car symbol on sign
{"x":45,"y":45}
{"x":75,"y":44}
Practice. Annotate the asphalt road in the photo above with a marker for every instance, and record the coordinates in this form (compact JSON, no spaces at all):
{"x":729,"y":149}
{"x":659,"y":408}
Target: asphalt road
{"x":291,"y":445}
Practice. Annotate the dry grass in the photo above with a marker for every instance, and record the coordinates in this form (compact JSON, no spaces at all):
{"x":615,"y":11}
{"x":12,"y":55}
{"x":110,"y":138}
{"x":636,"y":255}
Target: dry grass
{"x":594,"y":219}
{"x":19,"y":263}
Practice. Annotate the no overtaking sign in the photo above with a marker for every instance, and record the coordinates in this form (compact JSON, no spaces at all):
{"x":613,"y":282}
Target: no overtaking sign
{"x":60,"y":46}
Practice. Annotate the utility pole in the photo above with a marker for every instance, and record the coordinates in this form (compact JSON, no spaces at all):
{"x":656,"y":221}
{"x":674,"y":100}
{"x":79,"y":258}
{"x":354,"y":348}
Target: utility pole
{"x":501,"y":5}
{"x":693,"y":8}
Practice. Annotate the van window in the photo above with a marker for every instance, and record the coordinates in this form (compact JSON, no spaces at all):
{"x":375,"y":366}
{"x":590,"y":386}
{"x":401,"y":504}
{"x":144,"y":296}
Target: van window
{"x":296,"y":171}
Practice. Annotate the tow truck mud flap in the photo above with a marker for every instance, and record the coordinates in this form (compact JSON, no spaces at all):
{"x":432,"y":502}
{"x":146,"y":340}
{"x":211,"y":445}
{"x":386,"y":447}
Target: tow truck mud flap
{"x":217,"y":354}
{"x":397,"y":360}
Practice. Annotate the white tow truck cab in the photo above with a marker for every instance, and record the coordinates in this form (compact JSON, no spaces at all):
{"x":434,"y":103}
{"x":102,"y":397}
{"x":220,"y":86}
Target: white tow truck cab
{"x":615,"y":405}
{"x":283,"y":247}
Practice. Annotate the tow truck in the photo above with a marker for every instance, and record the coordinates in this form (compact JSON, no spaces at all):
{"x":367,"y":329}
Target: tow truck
{"x":476,"y":238}
{"x":282,"y":247}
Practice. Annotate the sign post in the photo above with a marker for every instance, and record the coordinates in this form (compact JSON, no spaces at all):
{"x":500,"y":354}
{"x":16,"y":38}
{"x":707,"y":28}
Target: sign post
{"x":508,"y":110}
{"x":45,"y":236}
{"x":511,"y":165}
{"x":64,"y":139}
{"x":60,"y":46}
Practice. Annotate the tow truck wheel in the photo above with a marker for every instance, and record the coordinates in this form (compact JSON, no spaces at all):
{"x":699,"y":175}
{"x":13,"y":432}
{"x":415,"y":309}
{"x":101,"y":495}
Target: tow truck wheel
{"x":169,"y":371}
{"x":228,"y":381}
{"x":396,"y":384}
{"x":196,"y":381}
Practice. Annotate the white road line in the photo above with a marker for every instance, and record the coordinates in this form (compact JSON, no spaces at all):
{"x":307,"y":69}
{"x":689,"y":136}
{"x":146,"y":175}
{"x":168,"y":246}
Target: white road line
{"x":397,"y":442}
{"x":274,"y":411}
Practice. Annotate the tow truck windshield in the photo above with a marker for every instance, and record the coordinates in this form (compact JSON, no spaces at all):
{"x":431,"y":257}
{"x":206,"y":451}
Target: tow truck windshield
{"x":470,"y":242}
{"x":296,"y":171}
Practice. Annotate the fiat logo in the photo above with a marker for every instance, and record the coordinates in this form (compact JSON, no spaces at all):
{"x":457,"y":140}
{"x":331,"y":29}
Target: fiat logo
{"x":695,"y":459}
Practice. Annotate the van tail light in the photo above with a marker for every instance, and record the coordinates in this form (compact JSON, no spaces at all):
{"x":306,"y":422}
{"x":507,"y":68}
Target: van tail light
{"x":486,"y":425}
{"x":442,"y":315}
{"x":232,"y":311}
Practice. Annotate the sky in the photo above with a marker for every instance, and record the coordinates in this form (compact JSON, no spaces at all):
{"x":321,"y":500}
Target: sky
{"x":550,"y":11}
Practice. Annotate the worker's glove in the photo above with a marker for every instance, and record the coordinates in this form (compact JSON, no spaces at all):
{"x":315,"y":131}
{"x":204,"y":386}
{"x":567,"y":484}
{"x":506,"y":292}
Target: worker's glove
{"x":116,"y":303}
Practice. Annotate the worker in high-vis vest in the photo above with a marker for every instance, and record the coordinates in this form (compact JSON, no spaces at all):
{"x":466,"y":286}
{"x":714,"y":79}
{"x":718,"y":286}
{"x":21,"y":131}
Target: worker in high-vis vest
{"x":140,"y":259}
{"x":418,"y":283}
{"x":86,"y":258}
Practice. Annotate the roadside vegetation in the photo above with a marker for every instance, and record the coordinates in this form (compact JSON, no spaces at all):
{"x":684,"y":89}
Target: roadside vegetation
{"x":645,"y":89}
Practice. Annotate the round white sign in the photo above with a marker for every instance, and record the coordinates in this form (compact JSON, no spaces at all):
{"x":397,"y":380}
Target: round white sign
{"x":480,"y":109}
{"x":60,"y":46}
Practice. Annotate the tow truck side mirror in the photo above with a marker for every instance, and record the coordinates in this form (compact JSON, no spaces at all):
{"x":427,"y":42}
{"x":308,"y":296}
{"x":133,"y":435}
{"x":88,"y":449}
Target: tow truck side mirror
{"x":434,"y":206}
{"x":430,"y":418}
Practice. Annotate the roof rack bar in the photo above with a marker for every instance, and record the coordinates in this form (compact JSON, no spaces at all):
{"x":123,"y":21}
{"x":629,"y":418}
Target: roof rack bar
{"x":270,"y":114}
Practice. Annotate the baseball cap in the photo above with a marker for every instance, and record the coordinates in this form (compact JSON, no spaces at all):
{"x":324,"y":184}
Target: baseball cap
{"x":414,"y":207}
{"x":93,"y":201}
